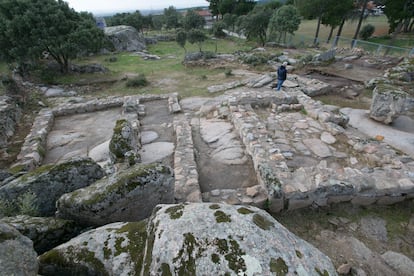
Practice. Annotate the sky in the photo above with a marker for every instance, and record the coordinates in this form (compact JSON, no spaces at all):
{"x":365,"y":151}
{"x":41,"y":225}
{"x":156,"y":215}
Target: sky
{"x":113,"y":6}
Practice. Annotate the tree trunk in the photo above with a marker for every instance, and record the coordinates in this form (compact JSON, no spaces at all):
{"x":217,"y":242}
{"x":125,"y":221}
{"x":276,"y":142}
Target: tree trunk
{"x":406,"y":24}
{"x":330,"y":34}
{"x":338,"y":34}
{"x":411,"y":26}
{"x":361,"y":17}
{"x":315,"y":41}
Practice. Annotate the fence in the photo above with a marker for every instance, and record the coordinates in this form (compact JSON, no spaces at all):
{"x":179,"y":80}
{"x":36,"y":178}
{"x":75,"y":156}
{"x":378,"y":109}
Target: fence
{"x":342,"y":42}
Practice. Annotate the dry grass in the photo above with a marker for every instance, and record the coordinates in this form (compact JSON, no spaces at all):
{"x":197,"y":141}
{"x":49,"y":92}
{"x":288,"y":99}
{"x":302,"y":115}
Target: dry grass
{"x":308,"y":28}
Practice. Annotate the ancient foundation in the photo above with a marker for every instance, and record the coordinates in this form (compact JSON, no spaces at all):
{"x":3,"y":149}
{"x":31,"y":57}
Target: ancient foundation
{"x":301,"y":152}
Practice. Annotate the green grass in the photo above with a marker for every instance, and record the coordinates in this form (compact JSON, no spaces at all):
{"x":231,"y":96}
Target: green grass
{"x":404,"y":41}
{"x":308,"y":27}
{"x":166,"y":75}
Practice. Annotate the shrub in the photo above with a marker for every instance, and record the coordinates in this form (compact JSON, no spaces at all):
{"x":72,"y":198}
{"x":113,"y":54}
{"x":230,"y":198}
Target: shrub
{"x":217,"y":29}
{"x":366,"y":31}
{"x":255,"y":59}
{"x":6,"y":208}
{"x":228,"y":72}
{"x":138,"y":81}
{"x":27,"y":204}
{"x":209,"y":55}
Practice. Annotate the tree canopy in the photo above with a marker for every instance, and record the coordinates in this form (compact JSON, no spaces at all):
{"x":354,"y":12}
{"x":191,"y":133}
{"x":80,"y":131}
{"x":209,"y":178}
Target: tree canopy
{"x":254,"y":25}
{"x":136,"y":20}
{"x":237,"y":7}
{"x":30,"y":27}
{"x":284,"y":20}
{"x":400,"y":12}
{"x":193,"y":20}
{"x":196,"y":36}
{"x":172,"y":18}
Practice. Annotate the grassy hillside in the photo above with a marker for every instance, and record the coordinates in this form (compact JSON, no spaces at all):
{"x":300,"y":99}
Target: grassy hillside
{"x":308,"y":27}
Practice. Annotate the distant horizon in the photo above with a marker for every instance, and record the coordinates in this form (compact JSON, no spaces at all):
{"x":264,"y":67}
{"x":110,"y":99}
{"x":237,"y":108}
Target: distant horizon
{"x":111,"y":7}
{"x":143,"y":12}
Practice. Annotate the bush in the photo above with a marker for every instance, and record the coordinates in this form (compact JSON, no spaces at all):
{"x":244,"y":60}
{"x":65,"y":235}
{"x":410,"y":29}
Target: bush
{"x":217,"y":29}
{"x":228,"y":72}
{"x":26,"y":204}
{"x":366,"y":31}
{"x":138,"y":81}
{"x":209,"y":55}
{"x":255,"y":59}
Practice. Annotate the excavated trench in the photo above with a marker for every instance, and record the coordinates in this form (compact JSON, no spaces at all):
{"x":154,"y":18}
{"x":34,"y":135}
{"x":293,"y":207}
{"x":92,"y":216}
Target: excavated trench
{"x":77,"y":135}
{"x":216,"y":175}
{"x":88,"y":134}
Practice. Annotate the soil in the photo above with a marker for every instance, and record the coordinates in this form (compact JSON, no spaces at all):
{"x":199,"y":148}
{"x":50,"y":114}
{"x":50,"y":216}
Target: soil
{"x":214,"y":175}
{"x":347,"y":220}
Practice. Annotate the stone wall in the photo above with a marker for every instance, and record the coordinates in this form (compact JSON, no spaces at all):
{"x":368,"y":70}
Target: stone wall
{"x":10,"y":114}
{"x":34,"y":147}
{"x":187,"y":188}
{"x":313,"y":136}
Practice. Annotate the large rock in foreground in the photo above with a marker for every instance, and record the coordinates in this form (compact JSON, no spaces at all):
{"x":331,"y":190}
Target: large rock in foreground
{"x":49,"y":182}
{"x":17,"y":256}
{"x":125,"y":142}
{"x":45,"y":233}
{"x":125,"y":38}
{"x":129,"y":195}
{"x":387,"y":103}
{"x":194,"y":239}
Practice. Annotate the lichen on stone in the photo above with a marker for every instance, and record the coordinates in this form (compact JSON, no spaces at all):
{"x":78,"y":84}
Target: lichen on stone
{"x":262,"y":222}
{"x":271,"y":181}
{"x":278,"y":266}
{"x":81,"y":261}
{"x":222,"y":217}
{"x":176,"y":211}
{"x":234,"y":257}
{"x":244,"y":211}
{"x":215,"y":258}
{"x":165,"y":270}
{"x":321,"y":273}
{"x":187,"y":256}
{"x":299,"y":254}
{"x":214,"y":206}
{"x":136,"y":232}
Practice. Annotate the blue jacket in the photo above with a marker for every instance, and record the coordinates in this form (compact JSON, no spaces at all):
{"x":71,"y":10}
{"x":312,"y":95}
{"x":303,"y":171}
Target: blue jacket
{"x":281,"y":73}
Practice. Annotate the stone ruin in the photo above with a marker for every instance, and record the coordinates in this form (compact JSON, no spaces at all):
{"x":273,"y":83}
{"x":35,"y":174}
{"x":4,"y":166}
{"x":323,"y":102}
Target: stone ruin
{"x":301,"y":151}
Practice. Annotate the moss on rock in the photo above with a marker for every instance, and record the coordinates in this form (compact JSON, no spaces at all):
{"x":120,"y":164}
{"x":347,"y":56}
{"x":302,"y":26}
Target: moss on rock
{"x":214,"y":206}
{"x":137,"y":236}
{"x":278,"y":267}
{"x":222,"y":217}
{"x":262,"y":222}
{"x":176,"y":211}
{"x":244,"y":211}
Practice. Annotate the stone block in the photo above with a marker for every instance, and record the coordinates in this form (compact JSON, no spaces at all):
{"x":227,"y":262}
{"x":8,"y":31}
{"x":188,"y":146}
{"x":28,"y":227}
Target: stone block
{"x":389,"y":200}
{"x":339,"y":198}
{"x":294,"y":204}
{"x":276,"y":205}
{"x":360,"y":200}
